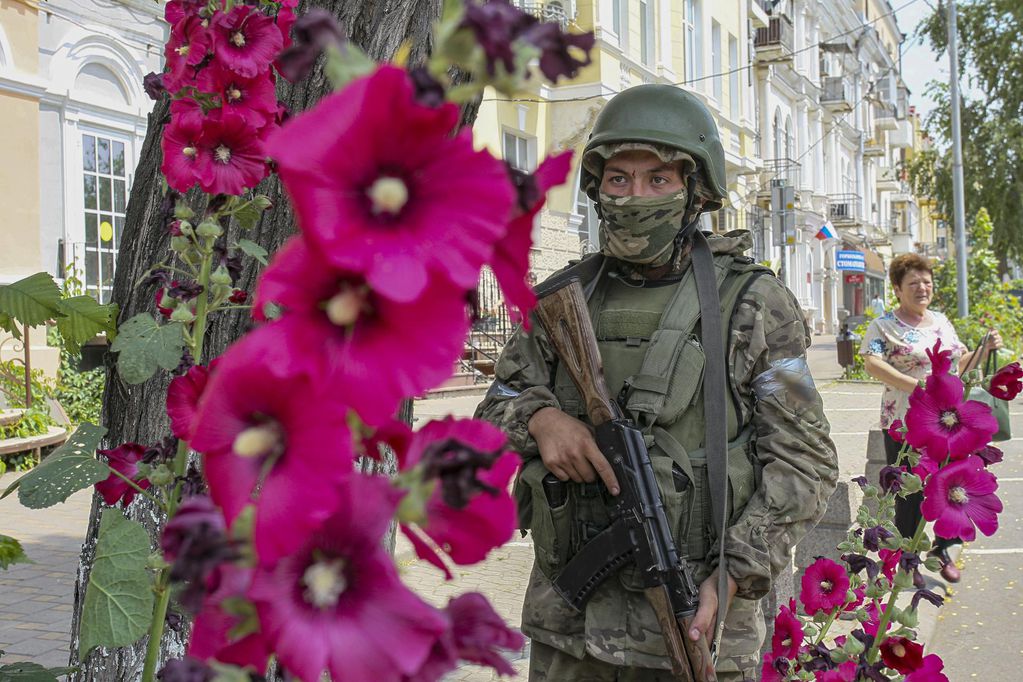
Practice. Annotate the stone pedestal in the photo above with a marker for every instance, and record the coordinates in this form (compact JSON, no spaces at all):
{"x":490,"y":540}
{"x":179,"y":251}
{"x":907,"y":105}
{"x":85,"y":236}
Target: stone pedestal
{"x":875,"y":455}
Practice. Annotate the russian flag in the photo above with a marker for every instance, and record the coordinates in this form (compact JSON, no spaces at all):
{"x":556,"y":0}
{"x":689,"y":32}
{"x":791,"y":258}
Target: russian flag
{"x":827,"y":231}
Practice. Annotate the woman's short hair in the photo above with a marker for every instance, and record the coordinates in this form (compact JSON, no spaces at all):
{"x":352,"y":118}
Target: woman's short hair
{"x":902,"y":265}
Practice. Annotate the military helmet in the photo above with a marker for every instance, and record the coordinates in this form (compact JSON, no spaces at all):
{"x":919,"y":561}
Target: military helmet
{"x":663,"y":115}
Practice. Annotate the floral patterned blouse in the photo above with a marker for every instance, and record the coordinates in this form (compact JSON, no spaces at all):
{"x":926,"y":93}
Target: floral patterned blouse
{"x":904,"y":347}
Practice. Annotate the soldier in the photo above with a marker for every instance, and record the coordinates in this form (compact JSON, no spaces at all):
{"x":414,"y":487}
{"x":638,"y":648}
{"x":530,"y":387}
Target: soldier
{"x":653,"y":163}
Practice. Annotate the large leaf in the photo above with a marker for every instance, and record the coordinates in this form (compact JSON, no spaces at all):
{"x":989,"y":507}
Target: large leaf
{"x":31,"y":672}
{"x":32,"y":300}
{"x":253,"y":249}
{"x":82,"y":319}
{"x":70,"y":468}
{"x":143,"y":345}
{"x":11,"y":552}
{"x":118,"y":603}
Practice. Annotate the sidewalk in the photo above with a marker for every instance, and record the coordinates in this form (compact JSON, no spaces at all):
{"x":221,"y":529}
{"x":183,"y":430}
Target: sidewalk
{"x":36,"y":599}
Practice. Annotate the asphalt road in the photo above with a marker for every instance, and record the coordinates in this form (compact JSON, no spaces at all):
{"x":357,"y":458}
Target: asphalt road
{"x":979,"y":633}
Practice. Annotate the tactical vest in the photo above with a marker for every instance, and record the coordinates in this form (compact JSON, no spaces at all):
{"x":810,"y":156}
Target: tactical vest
{"x":652,"y":351}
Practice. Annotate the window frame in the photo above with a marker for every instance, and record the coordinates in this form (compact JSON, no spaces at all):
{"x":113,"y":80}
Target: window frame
{"x":521,"y":139}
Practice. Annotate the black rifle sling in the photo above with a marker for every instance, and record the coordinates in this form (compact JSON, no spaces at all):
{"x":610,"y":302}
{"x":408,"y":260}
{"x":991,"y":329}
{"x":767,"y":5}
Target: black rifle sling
{"x":715,"y":381}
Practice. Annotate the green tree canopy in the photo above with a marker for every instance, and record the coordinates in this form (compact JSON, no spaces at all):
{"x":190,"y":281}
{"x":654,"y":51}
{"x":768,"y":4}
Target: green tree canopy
{"x":991,"y":55}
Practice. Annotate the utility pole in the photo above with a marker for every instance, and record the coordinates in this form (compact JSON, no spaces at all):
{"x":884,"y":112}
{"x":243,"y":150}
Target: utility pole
{"x":958,"y":196}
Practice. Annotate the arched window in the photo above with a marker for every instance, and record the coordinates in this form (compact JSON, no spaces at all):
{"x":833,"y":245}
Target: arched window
{"x":789,"y":146}
{"x":776,"y":134}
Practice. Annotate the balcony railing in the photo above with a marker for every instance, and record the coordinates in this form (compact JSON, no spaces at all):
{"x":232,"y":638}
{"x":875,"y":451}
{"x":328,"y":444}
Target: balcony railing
{"x":884,"y":116}
{"x":782,"y":170}
{"x":844,"y":209}
{"x":775,"y":43}
{"x":547,"y":11}
{"x":835,"y":93}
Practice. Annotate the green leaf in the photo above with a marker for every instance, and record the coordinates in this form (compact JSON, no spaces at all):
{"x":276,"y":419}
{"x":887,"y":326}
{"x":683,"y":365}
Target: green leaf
{"x":143,"y":345}
{"x":248,"y":213}
{"x":11,"y":552}
{"x":32,"y":300}
{"x":118,"y":603}
{"x":31,"y":672}
{"x":82,"y":319}
{"x":253,"y":249}
{"x":68,"y":469}
{"x":8,"y":325}
{"x":346,"y":63}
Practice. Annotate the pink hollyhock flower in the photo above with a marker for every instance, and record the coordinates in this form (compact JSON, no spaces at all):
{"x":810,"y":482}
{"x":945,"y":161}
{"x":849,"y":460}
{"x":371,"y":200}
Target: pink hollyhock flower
{"x":180,"y":144}
{"x":381,"y":187}
{"x":125,"y":459}
{"x":470,"y":512}
{"x":990,"y":454}
{"x":511,"y":256}
{"x":212,"y":631}
{"x":183,"y":398}
{"x":1007,"y":382}
{"x":788,"y":632}
{"x":929,"y":670}
{"x":846,"y":672}
{"x":187,"y":47}
{"x":961,"y":496}
{"x":941,"y":424}
{"x":337,"y":603}
{"x":873,"y":622}
{"x":363,"y":335}
{"x":889,"y":562}
{"x":901,"y":654}
{"x":231,"y":157}
{"x":824,"y":586}
{"x":941,"y":360}
{"x":188,"y":112}
{"x":176,"y":10}
{"x":285,"y":20}
{"x":774,"y":668}
{"x":280,"y":434}
{"x":476,"y":632}
{"x":245,"y":40}
{"x":896,"y":431}
{"x":253,"y":98}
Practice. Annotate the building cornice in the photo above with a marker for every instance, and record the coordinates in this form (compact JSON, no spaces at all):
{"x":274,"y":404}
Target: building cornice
{"x":20,"y":83}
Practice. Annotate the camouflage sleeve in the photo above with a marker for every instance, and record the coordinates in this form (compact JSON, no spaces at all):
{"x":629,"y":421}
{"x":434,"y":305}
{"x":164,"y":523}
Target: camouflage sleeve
{"x":799,"y":462}
{"x":523,"y":380}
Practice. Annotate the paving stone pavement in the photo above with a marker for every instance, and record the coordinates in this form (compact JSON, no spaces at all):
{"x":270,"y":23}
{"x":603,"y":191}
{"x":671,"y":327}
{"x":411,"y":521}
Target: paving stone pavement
{"x":36,"y":599}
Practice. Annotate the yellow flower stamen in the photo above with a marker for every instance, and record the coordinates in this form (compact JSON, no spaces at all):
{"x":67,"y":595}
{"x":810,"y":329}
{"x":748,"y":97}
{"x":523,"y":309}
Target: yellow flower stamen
{"x":257,"y":441}
{"x":389,"y":195}
{"x":324,"y":583}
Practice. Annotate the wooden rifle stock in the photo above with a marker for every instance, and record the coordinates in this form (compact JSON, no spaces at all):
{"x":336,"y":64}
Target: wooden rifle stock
{"x":564,"y":316}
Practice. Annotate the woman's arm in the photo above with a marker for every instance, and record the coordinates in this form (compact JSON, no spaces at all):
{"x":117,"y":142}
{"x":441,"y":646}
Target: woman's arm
{"x":883,"y":372}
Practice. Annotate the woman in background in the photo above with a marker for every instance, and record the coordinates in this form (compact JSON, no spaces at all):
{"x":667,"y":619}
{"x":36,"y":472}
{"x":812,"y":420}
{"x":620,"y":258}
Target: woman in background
{"x":894,"y":351}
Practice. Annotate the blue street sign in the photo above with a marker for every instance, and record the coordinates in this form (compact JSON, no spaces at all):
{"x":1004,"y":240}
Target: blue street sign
{"x":850,"y":260}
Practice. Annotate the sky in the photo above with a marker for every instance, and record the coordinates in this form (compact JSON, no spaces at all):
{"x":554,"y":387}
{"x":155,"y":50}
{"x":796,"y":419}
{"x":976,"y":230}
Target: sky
{"x":918,"y":61}
{"x":919,"y":64}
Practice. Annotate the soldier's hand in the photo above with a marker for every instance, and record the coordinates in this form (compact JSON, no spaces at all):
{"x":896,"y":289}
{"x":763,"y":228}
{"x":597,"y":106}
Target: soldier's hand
{"x":568,"y":449}
{"x":703,"y":622}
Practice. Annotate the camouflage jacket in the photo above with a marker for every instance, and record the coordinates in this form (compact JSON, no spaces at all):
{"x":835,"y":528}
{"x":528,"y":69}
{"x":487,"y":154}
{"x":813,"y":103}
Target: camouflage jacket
{"x":796,"y":456}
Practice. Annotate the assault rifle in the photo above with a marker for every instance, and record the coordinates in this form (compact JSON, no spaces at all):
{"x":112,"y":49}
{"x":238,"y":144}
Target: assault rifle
{"x":639,"y":532}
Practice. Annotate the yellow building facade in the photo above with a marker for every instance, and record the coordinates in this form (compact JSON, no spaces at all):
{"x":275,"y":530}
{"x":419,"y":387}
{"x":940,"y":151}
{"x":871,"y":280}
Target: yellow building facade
{"x":698,"y":45}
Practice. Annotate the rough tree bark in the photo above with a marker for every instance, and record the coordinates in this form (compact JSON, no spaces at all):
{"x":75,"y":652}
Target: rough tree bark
{"x":136,"y":413}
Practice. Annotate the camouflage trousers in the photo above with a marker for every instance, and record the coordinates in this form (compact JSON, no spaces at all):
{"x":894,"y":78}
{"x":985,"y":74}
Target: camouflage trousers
{"x":745,"y":631}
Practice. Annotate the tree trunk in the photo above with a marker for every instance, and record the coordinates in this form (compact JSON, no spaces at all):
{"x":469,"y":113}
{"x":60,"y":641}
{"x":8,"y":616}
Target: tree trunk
{"x":136,"y":413}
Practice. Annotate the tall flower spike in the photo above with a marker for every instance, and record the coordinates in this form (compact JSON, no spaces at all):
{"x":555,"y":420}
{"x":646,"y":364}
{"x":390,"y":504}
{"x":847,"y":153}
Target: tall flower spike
{"x":381,"y":187}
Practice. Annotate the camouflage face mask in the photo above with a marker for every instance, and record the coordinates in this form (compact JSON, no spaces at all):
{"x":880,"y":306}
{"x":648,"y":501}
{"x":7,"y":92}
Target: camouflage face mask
{"x":641,"y":230}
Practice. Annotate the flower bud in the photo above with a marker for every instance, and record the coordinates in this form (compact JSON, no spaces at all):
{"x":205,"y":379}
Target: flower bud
{"x":221,"y":276}
{"x":180,"y":244}
{"x":182,"y":314}
{"x":186,"y":228}
{"x":853,"y":646}
{"x":209,"y":229}
{"x":908,"y":617}
{"x":161,"y":475}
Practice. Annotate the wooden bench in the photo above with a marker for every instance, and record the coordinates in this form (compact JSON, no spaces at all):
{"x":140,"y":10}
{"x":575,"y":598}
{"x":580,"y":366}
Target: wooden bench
{"x":55,"y":435}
